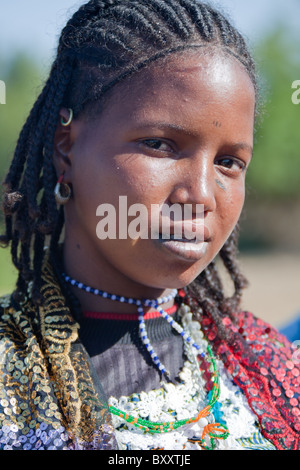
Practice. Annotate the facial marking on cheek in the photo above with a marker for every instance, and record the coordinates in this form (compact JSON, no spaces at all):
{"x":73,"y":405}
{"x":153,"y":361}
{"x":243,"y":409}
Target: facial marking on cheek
{"x":220,"y":184}
{"x":217,"y":124}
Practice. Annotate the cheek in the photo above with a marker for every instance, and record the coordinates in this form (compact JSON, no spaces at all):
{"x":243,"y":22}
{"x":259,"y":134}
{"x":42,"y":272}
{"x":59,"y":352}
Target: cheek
{"x":143,"y":180}
{"x":122,"y":183}
{"x":231,"y":205}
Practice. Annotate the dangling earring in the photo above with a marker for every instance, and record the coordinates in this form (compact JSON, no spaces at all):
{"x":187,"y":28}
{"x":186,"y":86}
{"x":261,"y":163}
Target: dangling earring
{"x":68,"y":122}
{"x":62,"y":191}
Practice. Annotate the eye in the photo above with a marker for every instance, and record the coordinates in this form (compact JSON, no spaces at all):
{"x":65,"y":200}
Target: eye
{"x":232,"y":165}
{"x":157,"y":145}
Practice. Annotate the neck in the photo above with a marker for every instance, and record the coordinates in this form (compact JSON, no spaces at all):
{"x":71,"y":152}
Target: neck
{"x":88,"y":272}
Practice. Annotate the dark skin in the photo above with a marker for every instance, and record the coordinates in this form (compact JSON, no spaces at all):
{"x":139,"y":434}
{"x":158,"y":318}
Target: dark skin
{"x":182,"y":136}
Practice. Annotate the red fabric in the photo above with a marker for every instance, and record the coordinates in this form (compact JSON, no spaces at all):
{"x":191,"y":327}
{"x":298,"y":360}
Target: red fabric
{"x":127,"y":316}
{"x":264,"y":364}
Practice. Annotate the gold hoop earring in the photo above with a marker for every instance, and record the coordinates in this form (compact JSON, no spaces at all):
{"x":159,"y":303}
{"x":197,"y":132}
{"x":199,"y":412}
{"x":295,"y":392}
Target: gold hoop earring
{"x":68,"y":122}
{"x":60,"y":187}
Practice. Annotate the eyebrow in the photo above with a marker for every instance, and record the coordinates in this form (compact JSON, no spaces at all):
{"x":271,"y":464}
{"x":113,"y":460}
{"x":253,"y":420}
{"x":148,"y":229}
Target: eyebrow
{"x":183,"y":130}
{"x":243,"y":146}
{"x":165,"y":125}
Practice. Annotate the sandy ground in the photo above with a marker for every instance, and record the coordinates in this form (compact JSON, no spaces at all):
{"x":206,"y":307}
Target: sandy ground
{"x":274,"y":290}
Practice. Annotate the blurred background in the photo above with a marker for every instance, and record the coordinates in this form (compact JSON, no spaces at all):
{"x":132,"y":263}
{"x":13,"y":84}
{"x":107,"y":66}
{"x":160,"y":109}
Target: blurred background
{"x":270,"y":225}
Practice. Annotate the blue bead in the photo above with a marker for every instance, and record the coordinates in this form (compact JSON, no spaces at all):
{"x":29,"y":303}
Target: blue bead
{"x":148,"y":302}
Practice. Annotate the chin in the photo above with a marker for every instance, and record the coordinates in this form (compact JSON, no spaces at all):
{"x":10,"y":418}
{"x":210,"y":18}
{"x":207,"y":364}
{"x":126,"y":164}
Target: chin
{"x":178,"y":280}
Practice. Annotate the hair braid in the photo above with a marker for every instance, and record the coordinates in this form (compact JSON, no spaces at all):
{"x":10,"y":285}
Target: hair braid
{"x":103,"y":43}
{"x":201,"y":18}
{"x":35,"y":162}
{"x":228,"y":254}
{"x":16,"y":168}
{"x":166,"y":12}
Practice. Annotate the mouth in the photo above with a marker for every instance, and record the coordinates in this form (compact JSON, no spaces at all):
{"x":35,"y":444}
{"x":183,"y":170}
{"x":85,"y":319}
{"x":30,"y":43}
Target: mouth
{"x":184,"y":248}
{"x":173,"y":237}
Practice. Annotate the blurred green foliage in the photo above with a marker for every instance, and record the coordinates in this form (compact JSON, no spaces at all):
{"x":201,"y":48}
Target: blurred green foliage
{"x":8,"y":273}
{"x":23,"y":80}
{"x":22,"y":77}
{"x":275,"y":169}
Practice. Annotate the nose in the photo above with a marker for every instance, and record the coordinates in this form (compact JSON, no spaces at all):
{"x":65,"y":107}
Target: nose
{"x":195,"y":183}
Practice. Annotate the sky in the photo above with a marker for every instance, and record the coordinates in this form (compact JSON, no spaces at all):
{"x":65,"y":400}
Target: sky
{"x":34,"y":25}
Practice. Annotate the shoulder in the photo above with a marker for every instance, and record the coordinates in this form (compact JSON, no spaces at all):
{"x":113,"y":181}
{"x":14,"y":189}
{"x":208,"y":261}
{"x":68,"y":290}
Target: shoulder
{"x":16,"y":320}
{"x":6,"y":310}
{"x":5,"y":302}
{"x":269,"y":345}
{"x":255,"y":330}
{"x":276,"y":357}
{"x":8,"y":305}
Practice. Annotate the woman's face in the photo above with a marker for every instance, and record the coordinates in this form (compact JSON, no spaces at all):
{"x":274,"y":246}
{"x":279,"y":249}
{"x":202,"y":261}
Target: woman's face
{"x":181,"y":134}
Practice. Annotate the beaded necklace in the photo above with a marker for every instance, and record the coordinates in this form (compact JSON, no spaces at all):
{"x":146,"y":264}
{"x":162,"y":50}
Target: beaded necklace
{"x":213,"y":430}
{"x":155,"y":303}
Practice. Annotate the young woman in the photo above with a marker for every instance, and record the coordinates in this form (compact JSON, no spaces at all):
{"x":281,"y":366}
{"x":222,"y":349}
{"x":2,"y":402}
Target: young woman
{"x":119,"y":333}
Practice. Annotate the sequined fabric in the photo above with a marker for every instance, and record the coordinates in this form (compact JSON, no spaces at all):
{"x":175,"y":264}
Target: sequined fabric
{"x":49,"y":396}
{"x":263,"y":364}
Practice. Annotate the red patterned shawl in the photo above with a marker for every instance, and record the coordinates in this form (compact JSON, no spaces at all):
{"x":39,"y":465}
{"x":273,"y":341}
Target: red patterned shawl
{"x":266,"y":366}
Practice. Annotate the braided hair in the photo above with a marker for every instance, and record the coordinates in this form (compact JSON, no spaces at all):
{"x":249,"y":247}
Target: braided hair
{"x":103,"y":43}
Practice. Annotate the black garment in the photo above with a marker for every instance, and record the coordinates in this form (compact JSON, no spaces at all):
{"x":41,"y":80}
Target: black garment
{"x":122,"y":362}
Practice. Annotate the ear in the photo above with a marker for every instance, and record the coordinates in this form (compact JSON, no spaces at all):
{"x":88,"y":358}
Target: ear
{"x":63,"y":141}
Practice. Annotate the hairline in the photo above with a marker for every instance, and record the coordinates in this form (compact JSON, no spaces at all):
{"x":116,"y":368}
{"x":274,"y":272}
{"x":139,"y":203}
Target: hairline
{"x":99,"y":102}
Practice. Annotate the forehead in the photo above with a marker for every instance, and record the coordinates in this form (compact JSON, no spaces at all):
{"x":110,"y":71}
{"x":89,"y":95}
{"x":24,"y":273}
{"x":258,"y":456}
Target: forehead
{"x":213,"y":66}
{"x":182,"y":83}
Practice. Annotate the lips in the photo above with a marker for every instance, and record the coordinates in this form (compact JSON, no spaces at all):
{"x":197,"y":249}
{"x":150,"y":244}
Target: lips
{"x":186,"y":240}
{"x":187,"y":250}
{"x":186,"y":231}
